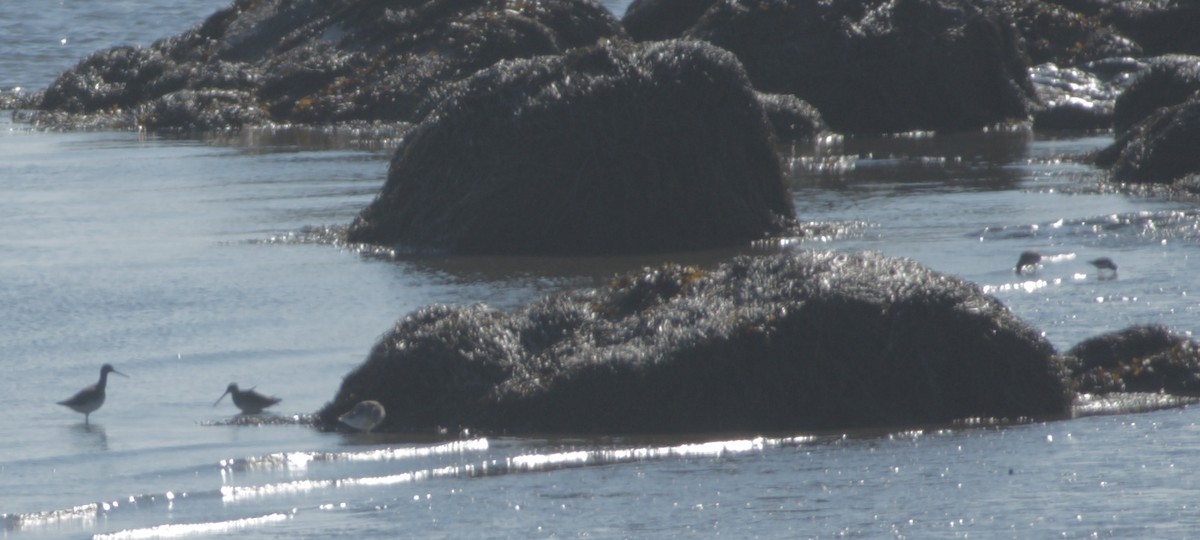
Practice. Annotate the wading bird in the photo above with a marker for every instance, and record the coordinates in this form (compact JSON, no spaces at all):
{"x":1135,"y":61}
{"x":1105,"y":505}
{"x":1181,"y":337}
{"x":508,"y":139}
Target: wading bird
{"x":1028,"y":262}
{"x":91,"y":398}
{"x":1105,"y":267}
{"x":249,"y":401}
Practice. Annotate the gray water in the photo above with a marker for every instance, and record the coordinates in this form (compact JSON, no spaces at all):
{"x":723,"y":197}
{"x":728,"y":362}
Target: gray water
{"x":186,"y":264}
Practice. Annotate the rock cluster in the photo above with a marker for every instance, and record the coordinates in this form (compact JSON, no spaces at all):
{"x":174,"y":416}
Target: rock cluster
{"x":794,"y":341}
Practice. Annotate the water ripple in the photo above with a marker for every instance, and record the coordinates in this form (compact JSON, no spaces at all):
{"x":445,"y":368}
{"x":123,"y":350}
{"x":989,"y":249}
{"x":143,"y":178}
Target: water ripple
{"x":1159,"y":226}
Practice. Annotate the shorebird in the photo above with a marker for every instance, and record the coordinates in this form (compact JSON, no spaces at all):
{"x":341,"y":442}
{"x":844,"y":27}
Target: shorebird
{"x":1104,"y":265}
{"x":249,"y":401}
{"x":91,"y":398}
{"x":1027,"y":261}
{"x":365,"y":416}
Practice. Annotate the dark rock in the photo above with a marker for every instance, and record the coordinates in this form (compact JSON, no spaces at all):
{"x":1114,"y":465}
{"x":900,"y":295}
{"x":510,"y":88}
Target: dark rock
{"x":1055,"y":34}
{"x":328,"y":61}
{"x":1168,"y":80}
{"x":1072,"y":116}
{"x":792,"y":118}
{"x":18,"y":99}
{"x":106,"y":80}
{"x":1188,"y":185}
{"x":652,"y":20}
{"x":1160,"y":149}
{"x":880,"y":66}
{"x":794,"y":341}
{"x":1086,"y":7}
{"x":203,"y":110}
{"x":1137,"y":359}
{"x":617,"y":148}
{"x":1158,"y":26}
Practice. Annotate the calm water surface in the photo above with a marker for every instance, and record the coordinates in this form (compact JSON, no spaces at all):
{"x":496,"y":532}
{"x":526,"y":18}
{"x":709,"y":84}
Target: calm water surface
{"x":183,"y":263}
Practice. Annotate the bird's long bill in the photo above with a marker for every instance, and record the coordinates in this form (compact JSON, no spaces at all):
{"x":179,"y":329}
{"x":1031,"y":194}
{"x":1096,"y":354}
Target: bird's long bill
{"x":119,"y":373}
{"x":220,"y":398}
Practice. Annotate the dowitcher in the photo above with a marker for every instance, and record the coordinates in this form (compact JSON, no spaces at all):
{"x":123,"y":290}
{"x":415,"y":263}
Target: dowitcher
{"x":1105,"y":267}
{"x":91,"y":398}
{"x":1028,"y":261}
{"x":249,"y":401}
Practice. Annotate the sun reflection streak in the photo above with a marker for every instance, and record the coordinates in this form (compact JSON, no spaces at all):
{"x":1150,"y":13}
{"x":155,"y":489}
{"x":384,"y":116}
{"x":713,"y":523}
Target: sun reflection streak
{"x":179,"y":530}
{"x":517,"y":464}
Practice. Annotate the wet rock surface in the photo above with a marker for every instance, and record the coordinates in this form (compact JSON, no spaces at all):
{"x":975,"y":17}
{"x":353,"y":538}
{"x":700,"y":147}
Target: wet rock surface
{"x":1057,"y":35}
{"x":617,"y":148}
{"x":1159,"y":27}
{"x":880,"y":67}
{"x":319,"y":62}
{"x":792,"y":118}
{"x":803,"y":340}
{"x":651,"y":20}
{"x":1157,"y":123}
{"x":1164,"y":82}
{"x":1160,"y":149}
{"x":1137,"y":359}
{"x":867,"y":66}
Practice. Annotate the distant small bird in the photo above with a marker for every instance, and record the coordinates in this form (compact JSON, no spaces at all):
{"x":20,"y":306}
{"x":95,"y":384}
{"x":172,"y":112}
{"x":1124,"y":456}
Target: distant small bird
{"x":1027,"y":261}
{"x":1104,"y":265}
{"x":91,"y":398}
{"x":365,"y":416}
{"x":249,"y":401}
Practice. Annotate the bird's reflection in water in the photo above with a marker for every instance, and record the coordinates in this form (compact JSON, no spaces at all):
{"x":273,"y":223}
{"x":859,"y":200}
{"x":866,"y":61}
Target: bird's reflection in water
{"x":90,"y":437}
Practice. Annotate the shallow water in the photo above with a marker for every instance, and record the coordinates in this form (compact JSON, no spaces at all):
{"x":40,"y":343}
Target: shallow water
{"x":185,"y":263}
{"x":970,"y":206}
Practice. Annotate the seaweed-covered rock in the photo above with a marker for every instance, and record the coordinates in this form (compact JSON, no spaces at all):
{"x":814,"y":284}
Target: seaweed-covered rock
{"x":793,"y":341}
{"x":1055,"y":34}
{"x":1188,"y":185}
{"x":1159,"y":26}
{"x":792,"y":118}
{"x":327,"y":61}
{"x":203,"y":110}
{"x":1158,"y":150}
{"x":652,"y":20}
{"x":873,"y":66}
{"x":1166,"y":81}
{"x":1157,"y":121}
{"x":1137,"y":359}
{"x":18,"y":98}
{"x":115,"y":78}
{"x":615,"y":148}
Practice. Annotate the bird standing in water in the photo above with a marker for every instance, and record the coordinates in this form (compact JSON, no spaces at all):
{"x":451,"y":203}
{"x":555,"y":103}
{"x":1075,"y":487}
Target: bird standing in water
{"x":91,"y":398}
{"x":1028,"y":261}
{"x":249,"y":401}
{"x":364,"y":416}
{"x":1105,"y":267}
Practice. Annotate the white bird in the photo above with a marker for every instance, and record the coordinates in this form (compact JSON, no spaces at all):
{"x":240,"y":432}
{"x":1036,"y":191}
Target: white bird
{"x":365,"y":416}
